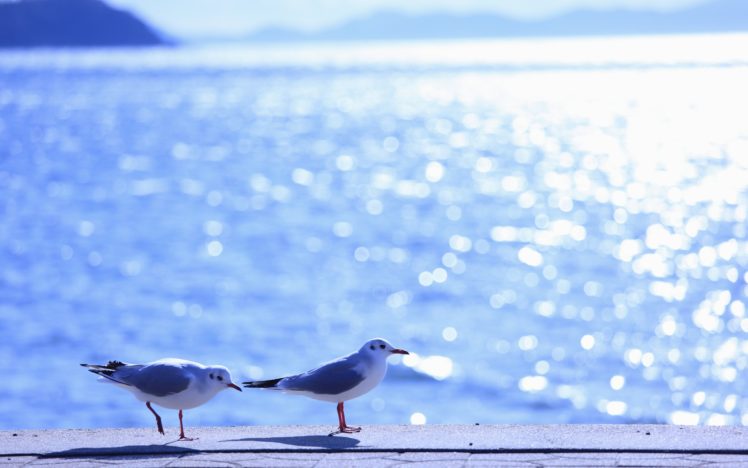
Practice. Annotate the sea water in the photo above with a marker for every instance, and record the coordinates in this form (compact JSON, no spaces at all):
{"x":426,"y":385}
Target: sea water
{"x":556,"y":229}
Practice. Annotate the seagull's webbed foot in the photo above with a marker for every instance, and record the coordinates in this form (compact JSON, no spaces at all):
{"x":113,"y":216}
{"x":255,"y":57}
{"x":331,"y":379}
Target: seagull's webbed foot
{"x":182,"y":438}
{"x":345,"y":430}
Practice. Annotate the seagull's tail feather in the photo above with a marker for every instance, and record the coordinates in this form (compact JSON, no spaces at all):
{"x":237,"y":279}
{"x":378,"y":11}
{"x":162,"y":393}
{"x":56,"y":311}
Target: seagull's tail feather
{"x":107,"y":370}
{"x":272,"y":383}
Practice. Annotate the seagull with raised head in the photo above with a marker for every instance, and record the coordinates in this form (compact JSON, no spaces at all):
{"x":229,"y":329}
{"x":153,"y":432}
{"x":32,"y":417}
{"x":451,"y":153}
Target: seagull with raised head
{"x":171,"y":383}
{"x":340,"y":380}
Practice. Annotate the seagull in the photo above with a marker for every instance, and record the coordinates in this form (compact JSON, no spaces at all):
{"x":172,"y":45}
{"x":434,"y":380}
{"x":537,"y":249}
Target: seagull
{"x":171,"y":383}
{"x":340,"y":380}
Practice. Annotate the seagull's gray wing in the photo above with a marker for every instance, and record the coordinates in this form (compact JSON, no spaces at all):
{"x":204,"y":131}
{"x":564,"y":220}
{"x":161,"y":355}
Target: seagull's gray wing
{"x":329,"y":379}
{"x":155,"y":379}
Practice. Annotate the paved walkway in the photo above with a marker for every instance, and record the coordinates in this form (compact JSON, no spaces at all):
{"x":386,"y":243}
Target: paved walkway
{"x":379,"y":446}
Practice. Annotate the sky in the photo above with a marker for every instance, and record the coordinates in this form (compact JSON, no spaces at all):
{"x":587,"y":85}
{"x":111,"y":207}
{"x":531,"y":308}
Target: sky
{"x":199,"y":18}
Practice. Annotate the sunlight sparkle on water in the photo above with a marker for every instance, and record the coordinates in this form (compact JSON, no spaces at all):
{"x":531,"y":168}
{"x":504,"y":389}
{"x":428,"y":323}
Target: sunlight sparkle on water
{"x":437,"y":367}
{"x":418,"y":419}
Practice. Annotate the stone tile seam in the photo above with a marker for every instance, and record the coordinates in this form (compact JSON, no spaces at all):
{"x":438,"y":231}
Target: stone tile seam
{"x":119,"y":453}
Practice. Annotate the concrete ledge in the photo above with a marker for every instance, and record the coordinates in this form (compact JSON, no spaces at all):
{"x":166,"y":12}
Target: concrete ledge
{"x":516,"y":445}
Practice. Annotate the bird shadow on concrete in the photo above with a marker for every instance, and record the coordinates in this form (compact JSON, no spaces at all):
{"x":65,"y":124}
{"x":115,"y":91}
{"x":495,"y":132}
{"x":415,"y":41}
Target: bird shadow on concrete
{"x":154,"y":450}
{"x":316,"y":441}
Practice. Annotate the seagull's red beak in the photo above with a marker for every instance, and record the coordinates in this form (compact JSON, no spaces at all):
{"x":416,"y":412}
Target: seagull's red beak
{"x":399,"y":351}
{"x":234,"y":386}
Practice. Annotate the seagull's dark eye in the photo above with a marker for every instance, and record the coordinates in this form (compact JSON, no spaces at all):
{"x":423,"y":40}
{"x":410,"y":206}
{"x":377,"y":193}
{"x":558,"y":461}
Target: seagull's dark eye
{"x":220,"y":378}
{"x":381,"y":346}
{"x":211,"y":376}
{"x":371,"y":347}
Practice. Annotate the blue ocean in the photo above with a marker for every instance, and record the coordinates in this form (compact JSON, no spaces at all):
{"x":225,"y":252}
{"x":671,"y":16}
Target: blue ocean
{"x":556,"y":229}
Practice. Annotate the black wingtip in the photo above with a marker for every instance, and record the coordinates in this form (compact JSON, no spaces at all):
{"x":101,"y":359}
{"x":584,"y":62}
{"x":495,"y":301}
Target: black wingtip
{"x":111,"y":365}
{"x":262,"y":383}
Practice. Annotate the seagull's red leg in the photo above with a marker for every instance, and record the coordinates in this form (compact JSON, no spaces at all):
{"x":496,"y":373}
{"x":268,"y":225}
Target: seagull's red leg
{"x":343,"y":426}
{"x":158,"y":418}
{"x":181,"y":429}
{"x":341,"y":418}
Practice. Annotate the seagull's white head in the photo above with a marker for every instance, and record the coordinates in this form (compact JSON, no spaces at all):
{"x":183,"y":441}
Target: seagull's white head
{"x":380,"y":349}
{"x":219,"y":378}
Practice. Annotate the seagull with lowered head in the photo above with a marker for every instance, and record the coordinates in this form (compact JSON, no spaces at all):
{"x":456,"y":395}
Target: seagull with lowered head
{"x":170,"y":383}
{"x":340,"y":380}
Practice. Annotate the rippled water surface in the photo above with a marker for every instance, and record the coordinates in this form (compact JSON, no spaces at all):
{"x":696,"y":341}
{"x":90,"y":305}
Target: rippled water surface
{"x":557,"y":230}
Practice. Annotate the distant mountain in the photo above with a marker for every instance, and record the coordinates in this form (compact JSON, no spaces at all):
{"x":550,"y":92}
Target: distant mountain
{"x":71,"y":23}
{"x":716,"y":16}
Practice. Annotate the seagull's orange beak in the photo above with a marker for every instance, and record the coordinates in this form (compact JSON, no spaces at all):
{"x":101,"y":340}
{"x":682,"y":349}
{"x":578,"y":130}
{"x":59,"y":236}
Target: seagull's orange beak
{"x":399,"y":351}
{"x":234,"y":386}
